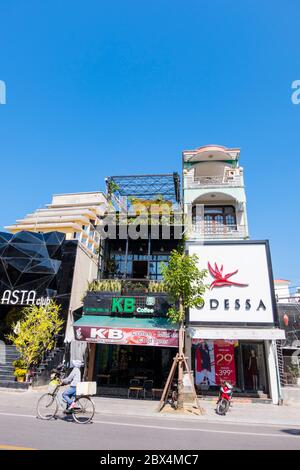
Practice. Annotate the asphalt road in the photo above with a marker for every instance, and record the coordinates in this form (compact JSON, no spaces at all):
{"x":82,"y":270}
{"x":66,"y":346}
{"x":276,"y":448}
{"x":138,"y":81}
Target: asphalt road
{"x":23,"y":430}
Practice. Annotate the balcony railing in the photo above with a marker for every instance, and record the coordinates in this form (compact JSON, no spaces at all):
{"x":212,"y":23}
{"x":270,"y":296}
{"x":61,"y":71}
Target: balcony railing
{"x":202,"y":231}
{"x":202,"y":181}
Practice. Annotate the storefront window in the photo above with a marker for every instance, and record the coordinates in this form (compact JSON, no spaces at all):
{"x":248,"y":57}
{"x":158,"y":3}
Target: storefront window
{"x":239,"y":362}
{"x":116,"y":365}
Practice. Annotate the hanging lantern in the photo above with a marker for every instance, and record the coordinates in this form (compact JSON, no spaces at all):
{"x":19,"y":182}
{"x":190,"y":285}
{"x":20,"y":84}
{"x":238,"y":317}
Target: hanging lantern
{"x":285,"y":319}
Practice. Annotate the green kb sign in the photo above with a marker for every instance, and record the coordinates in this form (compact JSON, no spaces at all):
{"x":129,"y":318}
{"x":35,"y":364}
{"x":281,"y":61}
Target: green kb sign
{"x":123,"y":305}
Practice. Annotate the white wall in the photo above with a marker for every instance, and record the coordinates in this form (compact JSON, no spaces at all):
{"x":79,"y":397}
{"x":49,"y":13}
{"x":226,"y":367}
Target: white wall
{"x":85,"y":270}
{"x":274,"y":382}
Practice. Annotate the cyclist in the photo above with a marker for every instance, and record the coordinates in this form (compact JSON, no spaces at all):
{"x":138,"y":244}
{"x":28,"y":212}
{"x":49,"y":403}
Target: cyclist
{"x":73,"y":379}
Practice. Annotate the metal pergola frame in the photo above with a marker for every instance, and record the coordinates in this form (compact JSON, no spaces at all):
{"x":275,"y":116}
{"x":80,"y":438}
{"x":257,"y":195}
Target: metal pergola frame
{"x":147,"y":186}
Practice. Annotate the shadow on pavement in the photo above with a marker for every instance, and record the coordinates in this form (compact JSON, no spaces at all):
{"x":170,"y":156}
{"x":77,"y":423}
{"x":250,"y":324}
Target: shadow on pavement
{"x":292,"y":432}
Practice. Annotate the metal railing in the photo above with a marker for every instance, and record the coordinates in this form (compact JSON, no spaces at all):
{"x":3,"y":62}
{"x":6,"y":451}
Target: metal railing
{"x":216,"y":231}
{"x":197,"y":181}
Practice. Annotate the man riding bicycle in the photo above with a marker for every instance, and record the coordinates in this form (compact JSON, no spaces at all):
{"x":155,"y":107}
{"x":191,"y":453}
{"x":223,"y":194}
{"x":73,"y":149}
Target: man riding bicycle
{"x":73,"y":379}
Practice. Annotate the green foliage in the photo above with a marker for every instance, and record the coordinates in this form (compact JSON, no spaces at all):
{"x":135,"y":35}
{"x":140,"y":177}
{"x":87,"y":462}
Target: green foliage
{"x":20,"y":372}
{"x":106,"y":285}
{"x":156,"y":287}
{"x":19,"y":364}
{"x":134,"y":286}
{"x":35,"y":332}
{"x":185,"y":283}
{"x":112,"y":187}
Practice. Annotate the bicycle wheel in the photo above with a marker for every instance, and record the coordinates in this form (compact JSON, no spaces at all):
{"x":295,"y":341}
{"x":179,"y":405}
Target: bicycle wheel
{"x":84,"y":411}
{"x":222,"y":407}
{"x":47,"y":406}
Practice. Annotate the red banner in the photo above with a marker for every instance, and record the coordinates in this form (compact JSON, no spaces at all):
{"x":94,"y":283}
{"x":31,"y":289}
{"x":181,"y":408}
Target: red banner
{"x":224,"y":362}
{"x":130,"y":336}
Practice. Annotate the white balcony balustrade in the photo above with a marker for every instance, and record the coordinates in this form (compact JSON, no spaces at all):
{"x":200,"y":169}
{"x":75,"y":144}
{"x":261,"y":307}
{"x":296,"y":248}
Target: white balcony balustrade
{"x":230,"y":180}
{"x":215,"y":231}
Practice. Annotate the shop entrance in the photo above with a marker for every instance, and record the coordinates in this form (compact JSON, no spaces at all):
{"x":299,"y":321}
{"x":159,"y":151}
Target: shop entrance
{"x":116,"y":365}
{"x":252,"y":374}
{"x":242,"y":363}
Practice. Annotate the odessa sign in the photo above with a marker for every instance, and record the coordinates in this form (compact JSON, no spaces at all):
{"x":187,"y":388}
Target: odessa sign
{"x":23,"y":297}
{"x":239,"y":283}
{"x":130,"y":336}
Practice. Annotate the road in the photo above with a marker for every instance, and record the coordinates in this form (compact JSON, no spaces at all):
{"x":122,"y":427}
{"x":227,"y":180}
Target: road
{"x":23,"y":430}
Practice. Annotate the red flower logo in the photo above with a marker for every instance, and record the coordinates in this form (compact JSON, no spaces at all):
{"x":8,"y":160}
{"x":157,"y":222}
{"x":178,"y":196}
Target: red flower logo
{"x":222,"y":279}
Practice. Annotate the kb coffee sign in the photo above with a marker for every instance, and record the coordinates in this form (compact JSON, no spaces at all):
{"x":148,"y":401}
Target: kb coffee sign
{"x":239,"y":279}
{"x":125,"y":305}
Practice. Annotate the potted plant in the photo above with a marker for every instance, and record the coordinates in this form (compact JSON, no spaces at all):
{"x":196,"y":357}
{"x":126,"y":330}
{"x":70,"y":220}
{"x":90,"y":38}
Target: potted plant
{"x":20,"y":374}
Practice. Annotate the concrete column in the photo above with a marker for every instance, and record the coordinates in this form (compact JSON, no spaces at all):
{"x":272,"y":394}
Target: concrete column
{"x":274,"y":383}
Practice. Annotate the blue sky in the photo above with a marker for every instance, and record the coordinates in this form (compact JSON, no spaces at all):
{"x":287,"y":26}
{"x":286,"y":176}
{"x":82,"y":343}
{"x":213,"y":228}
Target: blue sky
{"x":98,"y":88}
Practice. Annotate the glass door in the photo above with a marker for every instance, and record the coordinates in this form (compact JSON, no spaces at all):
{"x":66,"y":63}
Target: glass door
{"x":254,"y":376}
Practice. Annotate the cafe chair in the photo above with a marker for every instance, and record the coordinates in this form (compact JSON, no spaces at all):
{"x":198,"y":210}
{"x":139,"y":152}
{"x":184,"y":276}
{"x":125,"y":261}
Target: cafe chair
{"x":134,"y":386}
{"x":148,"y":387}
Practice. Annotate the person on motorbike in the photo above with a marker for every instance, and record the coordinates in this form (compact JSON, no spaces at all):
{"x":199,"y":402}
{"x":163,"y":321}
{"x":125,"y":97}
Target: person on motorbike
{"x":73,"y":379}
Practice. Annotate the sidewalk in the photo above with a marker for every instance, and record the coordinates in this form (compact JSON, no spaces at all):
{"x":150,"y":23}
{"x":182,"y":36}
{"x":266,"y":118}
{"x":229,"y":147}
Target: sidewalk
{"x":240,"y":413}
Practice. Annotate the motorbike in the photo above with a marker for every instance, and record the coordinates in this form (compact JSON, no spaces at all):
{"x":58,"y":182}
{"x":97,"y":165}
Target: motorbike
{"x":224,"y":399}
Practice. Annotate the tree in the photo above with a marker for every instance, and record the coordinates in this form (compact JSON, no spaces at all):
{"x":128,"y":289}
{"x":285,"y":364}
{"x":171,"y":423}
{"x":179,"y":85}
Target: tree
{"x":185,"y":283}
{"x":36,"y":332}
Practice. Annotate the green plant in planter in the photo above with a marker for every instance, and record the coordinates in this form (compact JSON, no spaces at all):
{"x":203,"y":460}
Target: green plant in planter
{"x":20,"y":374}
{"x":105,"y":285}
{"x":156,"y":287}
{"x":135,"y":287}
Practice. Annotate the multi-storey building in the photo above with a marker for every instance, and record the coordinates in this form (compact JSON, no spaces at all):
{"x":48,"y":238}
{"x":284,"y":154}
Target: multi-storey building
{"x":214,"y":193}
{"x":130,"y":339}
{"x":77,"y":215}
{"x":233,"y":336}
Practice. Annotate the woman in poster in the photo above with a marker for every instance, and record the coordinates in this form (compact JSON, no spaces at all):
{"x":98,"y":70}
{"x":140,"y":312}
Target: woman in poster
{"x":203,"y":365}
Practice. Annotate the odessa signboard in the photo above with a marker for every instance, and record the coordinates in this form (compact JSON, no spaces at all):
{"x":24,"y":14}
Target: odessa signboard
{"x":240,"y":280}
{"x":129,"y":336}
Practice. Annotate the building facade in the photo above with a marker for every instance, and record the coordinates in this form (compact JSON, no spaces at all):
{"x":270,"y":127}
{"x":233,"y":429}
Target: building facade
{"x":35,"y":268}
{"x":124,"y":322}
{"x":233,"y":336}
{"x":76,"y":215}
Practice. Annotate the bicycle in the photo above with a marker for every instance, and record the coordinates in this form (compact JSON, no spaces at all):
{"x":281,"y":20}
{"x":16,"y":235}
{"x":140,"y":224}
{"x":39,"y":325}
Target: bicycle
{"x":49,"y":404}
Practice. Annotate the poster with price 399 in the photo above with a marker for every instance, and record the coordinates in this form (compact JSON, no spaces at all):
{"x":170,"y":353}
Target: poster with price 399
{"x":224,"y":362}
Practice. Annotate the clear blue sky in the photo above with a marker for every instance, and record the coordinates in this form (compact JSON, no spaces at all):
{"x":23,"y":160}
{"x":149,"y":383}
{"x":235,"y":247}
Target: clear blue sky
{"x":97,"y":88}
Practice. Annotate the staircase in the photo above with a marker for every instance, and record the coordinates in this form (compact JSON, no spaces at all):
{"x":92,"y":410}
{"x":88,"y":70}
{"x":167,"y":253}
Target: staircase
{"x":50,"y":361}
{"x":7,"y":378}
{"x":283,"y":381}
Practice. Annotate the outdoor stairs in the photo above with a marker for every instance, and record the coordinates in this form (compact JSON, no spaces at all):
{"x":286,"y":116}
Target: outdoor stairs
{"x":8,"y":355}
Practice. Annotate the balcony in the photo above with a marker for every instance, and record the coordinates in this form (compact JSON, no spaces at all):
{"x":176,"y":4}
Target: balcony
{"x":203,"y":231}
{"x":231,"y":180}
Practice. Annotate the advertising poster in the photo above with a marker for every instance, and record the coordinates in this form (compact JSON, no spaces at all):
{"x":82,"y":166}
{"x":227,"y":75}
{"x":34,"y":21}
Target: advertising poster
{"x":214,"y":362}
{"x":130,"y":336}
{"x":224,"y":362}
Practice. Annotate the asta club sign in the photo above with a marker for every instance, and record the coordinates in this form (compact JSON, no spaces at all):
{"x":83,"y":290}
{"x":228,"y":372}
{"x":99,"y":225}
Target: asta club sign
{"x":23,"y":297}
{"x":239,"y":283}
